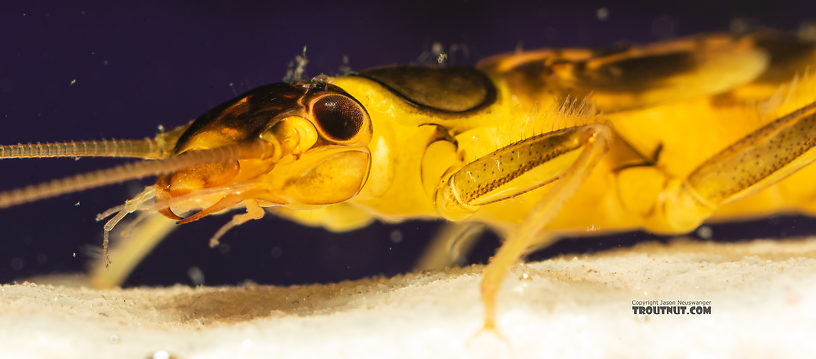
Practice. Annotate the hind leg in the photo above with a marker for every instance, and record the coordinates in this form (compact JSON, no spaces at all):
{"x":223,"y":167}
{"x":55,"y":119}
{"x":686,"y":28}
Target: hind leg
{"x":746,"y":167}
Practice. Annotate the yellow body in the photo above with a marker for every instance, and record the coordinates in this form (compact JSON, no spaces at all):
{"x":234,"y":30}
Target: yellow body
{"x":659,"y":137}
{"x":693,"y":118}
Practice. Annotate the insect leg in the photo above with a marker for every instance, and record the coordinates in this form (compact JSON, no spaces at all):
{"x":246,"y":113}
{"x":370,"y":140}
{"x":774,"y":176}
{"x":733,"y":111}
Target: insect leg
{"x":752,"y":163}
{"x":130,"y":206}
{"x":568,"y":155}
{"x":145,"y":236}
{"x":253,"y":211}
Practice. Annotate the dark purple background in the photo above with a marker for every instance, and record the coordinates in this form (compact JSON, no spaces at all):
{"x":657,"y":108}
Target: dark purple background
{"x":161,"y":62}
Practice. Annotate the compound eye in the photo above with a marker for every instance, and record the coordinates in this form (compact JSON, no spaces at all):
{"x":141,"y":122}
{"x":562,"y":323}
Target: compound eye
{"x":339,"y":116}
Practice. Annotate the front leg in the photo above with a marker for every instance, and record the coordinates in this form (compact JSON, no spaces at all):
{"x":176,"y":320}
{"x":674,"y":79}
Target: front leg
{"x":568,"y":156}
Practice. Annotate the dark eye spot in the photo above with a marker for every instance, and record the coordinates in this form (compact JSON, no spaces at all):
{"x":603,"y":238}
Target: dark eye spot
{"x":339,"y":116}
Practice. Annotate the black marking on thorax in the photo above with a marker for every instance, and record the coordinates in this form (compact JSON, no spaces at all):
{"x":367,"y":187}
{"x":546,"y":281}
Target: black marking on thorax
{"x":444,"y":89}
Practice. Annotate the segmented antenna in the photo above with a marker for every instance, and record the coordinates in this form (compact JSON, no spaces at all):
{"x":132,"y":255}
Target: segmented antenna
{"x":146,"y":149}
{"x":253,"y":150}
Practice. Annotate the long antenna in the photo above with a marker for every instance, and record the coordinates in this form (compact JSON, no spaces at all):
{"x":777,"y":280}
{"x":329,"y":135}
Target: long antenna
{"x":253,"y":150}
{"x":145,"y":149}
